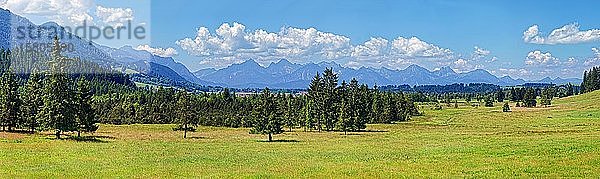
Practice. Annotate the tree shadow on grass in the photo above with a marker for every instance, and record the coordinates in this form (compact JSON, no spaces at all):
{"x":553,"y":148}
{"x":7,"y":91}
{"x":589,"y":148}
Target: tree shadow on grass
{"x":198,"y":137}
{"x":18,"y":131}
{"x":91,"y":139}
{"x":280,"y":141}
{"x":372,"y":131}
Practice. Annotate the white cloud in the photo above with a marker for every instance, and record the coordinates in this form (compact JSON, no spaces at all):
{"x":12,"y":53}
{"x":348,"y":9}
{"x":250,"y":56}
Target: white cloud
{"x":71,"y":13}
{"x":115,"y":17}
{"x":539,"y":58}
{"x":375,"y":47}
{"x":567,"y":34}
{"x":66,"y":12}
{"x":480,"y":52}
{"x":233,"y":43}
{"x":460,"y":62}
{"x":594,"y":60}
{"x":415,"y":48}
{"x":168,"y":52}
{"x":401,"y":52}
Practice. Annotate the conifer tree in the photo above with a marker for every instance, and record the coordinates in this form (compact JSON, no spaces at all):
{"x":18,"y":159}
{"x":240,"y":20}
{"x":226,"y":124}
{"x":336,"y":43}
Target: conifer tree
{"x":186,"y":115}
{"x":33,"y":101}
{"x":58,"y":112}
{"x":330,"y":98}
{"x":84,"y":113}
{"x":268,"y":120}
{"x":9,"y":101}
{"x":529,"y":98}
{"x":506,"y":107}
{"x":315,"y":93}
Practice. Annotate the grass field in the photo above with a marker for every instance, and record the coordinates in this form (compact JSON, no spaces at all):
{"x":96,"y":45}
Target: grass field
{"x":558,"y":141}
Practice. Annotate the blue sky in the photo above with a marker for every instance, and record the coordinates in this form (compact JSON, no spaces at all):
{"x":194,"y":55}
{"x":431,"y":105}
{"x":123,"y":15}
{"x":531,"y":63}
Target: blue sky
{"x":464,"y":35}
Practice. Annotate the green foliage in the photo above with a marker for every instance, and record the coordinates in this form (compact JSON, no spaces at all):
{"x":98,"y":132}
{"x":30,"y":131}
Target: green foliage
{"x":268,"y":118}
{"x":547,"y":96}
{"x":591,"y":80}
{"x":506,"y":107}
{"x":186,"y":115}
{"x":84,"y":113}
{"x":9,"y":101}
{"x":489,"y":102}
{"x":529,"y":98}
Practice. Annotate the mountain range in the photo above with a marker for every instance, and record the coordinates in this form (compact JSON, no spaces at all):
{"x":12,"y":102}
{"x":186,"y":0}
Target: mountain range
{"x":285,"y":74}
{"x":248,"y":74}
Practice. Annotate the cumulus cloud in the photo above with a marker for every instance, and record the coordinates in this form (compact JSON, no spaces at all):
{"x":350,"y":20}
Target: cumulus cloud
{"x":594,"y":60}
{"x":480,"y":52}
{"x":67,"y":12}
{"x":567,"y":34}
{"x":168,"y":52}
{"x":232,"y":43}
{"x":115,"y":17}
{"x":540,"y":58}
{"x":400,"y":52}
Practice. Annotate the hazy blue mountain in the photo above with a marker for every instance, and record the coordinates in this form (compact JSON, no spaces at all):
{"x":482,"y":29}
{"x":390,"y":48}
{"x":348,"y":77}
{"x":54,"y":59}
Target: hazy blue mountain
{"x":559,"y":80}
{"x":283,"y":67}
{"x":285,"y":74}
{"x":204,"y":72}
{"x":249,"y":74}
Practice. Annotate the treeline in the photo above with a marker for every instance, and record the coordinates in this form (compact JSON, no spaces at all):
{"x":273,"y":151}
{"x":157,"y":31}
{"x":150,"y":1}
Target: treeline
{"x":453,"y":88}
{"x":591,"y":80}
{"x":56,"y":94}
{"x":327,"y":106}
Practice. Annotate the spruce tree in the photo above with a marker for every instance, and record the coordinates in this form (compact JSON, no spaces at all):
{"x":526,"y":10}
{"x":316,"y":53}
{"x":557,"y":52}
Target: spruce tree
{"x":529,"y":98}
{"x":58,"y":112}
{"x":84,"y":113}
{"x":9,"y":101}
{"x":268,"y":119}
{"x":33,"y":101}
{"x":330,"y":98}
{"x":315,"y":95}
{"x":186,"y":115}
{"x":506,"y":107}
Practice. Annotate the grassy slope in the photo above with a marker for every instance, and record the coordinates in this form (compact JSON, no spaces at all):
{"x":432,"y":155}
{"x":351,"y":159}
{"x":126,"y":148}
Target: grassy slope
{"x":560,"y":141}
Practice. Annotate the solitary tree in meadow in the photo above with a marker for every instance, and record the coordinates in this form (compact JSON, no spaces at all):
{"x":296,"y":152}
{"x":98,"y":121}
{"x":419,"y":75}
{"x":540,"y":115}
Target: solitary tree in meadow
{"x":85,"y":114}
{"x":186,"y":115}
{"x":506,"y":107}
{"x":268,"y":120}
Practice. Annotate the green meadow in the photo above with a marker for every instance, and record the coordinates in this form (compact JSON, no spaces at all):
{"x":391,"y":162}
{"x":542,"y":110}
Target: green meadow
{"x":562,"y":140}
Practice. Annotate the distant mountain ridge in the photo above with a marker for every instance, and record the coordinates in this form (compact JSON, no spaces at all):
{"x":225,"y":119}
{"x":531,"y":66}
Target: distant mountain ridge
{"x":285,"y":74}
{"x":249,"y":74}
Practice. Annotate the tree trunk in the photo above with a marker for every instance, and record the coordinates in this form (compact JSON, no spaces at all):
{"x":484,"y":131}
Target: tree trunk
{"x":185,"y":131}
{"x":78,"y":133}
{"x":270,"y":138}
{"x":57,"y":134}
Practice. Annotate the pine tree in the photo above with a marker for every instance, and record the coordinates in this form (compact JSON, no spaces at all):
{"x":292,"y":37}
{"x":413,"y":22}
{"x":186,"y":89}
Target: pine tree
{"x":500,"y":96}
{"x":489,"y":101}
{"x":315,"y":94}
{"x":268,"y":120}
{"x":186,"y":115}
{"x":84,"y":113}
{"x":9,"y":101}
{"x":529,"y":98}
{"x":547,"y":95}
{"x":330,"y":98}
{"x":506,"y":107}
{"x":345,"y":118}
{"x":33,"y":101}
{"x":58,"y":110}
